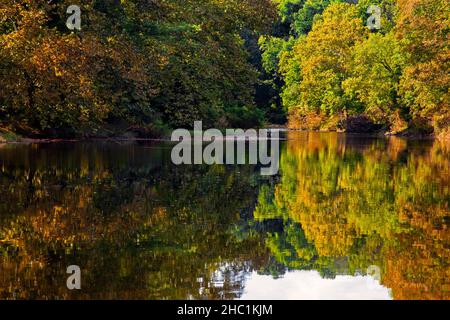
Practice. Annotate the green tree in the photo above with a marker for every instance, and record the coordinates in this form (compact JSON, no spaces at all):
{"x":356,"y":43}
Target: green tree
{"x":376,"y":67}
{"x":323,"y":59}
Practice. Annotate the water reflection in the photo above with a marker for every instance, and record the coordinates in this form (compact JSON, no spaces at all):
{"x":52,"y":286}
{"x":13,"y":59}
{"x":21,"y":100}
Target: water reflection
{"x":310,"y":285}
{"x":141,"y":228}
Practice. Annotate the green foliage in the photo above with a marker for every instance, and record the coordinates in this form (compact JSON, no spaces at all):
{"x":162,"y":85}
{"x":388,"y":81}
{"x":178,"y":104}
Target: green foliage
{"x":396,"y":75}
{"x":288,"y":8}
{"x":309,"y":13}
{"x":318,"y":63}
{"x":244,"y":117}
{"x":376,"y":68}
{"x":273,"y":48}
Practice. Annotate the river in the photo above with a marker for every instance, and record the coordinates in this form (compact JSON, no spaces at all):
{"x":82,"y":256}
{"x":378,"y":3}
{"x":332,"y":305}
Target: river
{"x":347,"y":217}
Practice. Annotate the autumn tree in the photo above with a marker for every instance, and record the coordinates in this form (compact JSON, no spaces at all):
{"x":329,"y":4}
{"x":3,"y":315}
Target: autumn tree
{"x":319,"y":63}
{"x":132,"y":64}
{"x":423,"y":29}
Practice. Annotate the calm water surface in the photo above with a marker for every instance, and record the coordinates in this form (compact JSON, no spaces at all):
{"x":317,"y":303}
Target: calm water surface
{"x":347,"y":217}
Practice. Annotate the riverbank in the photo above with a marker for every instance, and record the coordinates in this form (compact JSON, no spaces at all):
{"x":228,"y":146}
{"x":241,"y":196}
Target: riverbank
{"x":7,"y":137}
{"x":364,"y":125}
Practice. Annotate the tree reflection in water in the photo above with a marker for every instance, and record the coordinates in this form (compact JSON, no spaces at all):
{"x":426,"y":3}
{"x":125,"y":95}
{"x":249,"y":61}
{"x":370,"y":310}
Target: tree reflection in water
{"x":141,"y":228}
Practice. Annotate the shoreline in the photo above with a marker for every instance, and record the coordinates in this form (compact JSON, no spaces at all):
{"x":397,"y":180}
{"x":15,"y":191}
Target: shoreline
{"x":16,"y":139}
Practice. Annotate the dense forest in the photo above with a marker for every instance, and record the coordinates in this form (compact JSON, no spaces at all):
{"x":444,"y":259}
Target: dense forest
{"x":333,"y":68}
{"x":147,"y":66}
{"x":143,"y":64}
